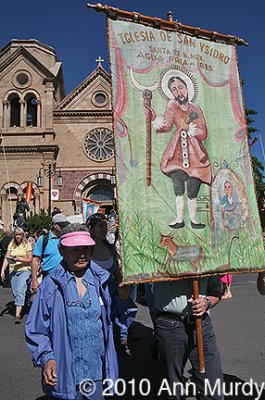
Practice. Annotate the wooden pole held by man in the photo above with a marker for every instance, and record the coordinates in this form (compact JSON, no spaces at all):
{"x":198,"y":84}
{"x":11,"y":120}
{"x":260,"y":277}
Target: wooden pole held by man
{"x":195,"y":288}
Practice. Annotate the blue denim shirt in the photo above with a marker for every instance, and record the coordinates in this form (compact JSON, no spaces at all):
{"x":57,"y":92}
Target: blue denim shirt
{"x":85,"y":328}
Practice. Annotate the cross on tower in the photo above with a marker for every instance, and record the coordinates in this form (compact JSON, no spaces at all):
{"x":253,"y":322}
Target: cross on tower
{"x":99,"y":60}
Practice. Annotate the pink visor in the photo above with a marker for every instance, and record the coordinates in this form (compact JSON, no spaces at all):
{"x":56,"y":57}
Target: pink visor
{"x":81,"y":238}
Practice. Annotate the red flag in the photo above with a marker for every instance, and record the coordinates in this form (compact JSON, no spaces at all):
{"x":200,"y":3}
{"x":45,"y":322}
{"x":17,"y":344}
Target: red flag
{"x":28,"y":192}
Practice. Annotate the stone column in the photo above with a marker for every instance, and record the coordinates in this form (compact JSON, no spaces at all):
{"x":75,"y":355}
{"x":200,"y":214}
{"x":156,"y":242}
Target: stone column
{"x":47,"y":113}
{"x":39,"y":123}
{"x":23,"y":111}
{"x":5,"y":114}
{"x":37,"y":203}
{"x":6,"y":215}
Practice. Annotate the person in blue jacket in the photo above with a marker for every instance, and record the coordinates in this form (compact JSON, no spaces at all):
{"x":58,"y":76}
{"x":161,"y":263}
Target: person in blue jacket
{"x":69,"y":331}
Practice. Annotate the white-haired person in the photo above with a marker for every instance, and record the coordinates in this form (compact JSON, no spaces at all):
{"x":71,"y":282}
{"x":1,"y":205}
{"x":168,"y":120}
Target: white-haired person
{"x":18,"y":257}
{"x":69,"y":330}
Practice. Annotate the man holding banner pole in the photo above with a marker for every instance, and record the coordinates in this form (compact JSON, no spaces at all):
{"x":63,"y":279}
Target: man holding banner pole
{"x":175,"y":329}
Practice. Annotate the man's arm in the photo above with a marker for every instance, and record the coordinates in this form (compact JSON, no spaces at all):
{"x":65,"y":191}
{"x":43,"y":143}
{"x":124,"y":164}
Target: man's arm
{"x":34,"y":274}
{"x":202,"y":304}
{"x":211,"y":298}
{"x":261,"y":283}
{"x":37,"y":254}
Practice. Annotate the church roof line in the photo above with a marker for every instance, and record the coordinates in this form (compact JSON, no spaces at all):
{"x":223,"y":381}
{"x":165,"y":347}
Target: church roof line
{"x":27,"y":42}
{"x":24,"y":52}
{"x":98,"y":71}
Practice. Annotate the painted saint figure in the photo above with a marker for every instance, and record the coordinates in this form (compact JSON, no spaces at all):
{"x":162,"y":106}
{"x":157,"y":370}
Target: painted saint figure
{"x":185,"y":159}
{"x":229,"y":201}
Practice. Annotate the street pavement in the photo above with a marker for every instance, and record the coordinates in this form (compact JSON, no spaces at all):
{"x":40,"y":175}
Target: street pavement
{"x":239,"y":326}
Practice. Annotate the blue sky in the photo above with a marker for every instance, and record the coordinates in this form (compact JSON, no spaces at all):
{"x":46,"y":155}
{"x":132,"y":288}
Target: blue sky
{"x":78,"y":34}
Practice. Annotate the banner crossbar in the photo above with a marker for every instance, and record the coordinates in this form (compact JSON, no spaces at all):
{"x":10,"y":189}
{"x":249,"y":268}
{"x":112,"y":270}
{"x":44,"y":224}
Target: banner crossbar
{"x":170,"y":24}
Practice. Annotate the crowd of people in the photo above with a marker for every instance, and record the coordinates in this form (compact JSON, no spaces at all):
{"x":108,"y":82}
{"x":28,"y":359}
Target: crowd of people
{"x":69,"y":281}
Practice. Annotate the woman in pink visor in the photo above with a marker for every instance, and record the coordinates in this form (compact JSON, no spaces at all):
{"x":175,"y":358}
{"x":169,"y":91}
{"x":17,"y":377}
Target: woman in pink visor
{"x":69,"y":329}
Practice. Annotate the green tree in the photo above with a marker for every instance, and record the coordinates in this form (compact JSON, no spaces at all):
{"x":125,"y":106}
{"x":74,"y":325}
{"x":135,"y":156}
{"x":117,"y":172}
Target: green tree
{"x":258,"y":167}
{"x":38,"y":221}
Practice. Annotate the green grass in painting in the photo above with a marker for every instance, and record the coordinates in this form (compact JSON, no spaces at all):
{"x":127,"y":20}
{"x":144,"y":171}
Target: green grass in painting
{"x":138,"y":228}
{"x":143,"y":256}
{"x":152,"y":243}
{"x":124,"y":232}
{"x":141,"y":253}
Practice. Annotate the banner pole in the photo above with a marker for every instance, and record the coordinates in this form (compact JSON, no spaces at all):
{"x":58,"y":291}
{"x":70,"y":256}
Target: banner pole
{"x":195,"y":288}
{"x":147,"y":96}
{"x":169,"y":24}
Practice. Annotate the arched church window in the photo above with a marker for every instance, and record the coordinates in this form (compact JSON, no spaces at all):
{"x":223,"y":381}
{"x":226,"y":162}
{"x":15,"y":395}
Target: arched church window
{"x":31,"y":113}
{"x":11,"y":190}
{"x":12,"y":193}
{"x":101,"y":193}
{"x":25,"y":189}
{"x":15,"y":112}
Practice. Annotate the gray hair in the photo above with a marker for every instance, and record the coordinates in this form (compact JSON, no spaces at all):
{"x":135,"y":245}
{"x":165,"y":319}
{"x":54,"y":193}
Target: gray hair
{"x":73,"y":228}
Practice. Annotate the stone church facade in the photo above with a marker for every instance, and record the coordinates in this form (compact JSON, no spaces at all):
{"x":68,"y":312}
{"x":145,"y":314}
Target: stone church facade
{"x":42,"y":131}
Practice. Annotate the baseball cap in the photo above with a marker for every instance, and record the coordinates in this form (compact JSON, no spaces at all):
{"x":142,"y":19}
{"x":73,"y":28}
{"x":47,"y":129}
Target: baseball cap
{"x":60,"y":219}
{"x":78,"y":238}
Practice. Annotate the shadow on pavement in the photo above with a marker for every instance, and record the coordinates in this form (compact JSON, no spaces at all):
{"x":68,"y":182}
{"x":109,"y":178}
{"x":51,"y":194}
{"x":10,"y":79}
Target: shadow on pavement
{"x":140,"y":377}
{"x":43,"y":398}
{"x":139,"y":371}
{"x":9,"y":309}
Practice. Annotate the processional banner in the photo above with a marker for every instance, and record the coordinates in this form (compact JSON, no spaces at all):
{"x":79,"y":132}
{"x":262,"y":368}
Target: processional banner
{"x":89,"y":207}
{"x":186,"y":197}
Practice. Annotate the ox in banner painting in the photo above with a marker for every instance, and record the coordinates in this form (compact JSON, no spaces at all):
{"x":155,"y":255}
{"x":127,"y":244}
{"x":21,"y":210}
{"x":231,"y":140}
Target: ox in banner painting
{"x":186,"y":196}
